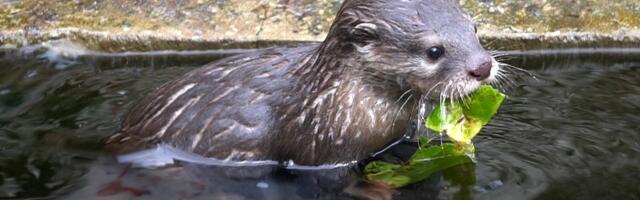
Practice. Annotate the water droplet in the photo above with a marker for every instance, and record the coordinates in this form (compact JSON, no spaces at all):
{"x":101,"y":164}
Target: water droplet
{"x":494,"y":185}
{"x":5,"y":91}
{"x":262,"y":185}
{"x":32,"y":73}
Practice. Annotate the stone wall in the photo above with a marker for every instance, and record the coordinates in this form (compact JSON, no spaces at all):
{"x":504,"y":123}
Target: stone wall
{"x":141,"y":25}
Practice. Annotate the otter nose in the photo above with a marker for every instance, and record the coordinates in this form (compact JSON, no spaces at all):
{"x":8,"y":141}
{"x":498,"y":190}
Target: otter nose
{"x":481,"y":72}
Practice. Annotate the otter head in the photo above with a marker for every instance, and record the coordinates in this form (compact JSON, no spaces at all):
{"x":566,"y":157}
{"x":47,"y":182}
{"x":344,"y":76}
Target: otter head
{"x":428,"y":46}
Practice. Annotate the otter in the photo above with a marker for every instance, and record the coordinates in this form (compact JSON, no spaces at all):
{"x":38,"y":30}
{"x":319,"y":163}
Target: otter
{"x":334,"y":102}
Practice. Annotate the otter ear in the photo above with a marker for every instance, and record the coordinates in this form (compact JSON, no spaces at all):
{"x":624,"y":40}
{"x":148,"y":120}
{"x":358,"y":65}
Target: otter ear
{"x":364,"y":32}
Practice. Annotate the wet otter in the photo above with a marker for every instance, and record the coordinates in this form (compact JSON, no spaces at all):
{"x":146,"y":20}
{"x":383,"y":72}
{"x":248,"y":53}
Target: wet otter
{"x":333,"y":102}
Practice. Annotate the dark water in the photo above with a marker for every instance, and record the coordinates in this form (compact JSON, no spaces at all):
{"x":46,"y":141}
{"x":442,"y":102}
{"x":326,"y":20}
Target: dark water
{"x":572,"y":132}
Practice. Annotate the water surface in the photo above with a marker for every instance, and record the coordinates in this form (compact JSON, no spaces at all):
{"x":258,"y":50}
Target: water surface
{"x":569,"y":132}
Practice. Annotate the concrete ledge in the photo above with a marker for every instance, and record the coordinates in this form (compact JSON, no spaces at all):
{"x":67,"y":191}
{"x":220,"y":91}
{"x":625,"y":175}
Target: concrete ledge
{"x":554,"y":40}
{"x":131,"y":25}
{"x":143,"y":41}
{"x":149,"y":41}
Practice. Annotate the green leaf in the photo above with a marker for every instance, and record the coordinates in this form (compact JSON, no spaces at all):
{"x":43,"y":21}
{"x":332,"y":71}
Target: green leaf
{"x":384,"y":172}
{"x":465,"y":131}
{"x":483,"y":104}
{"x":462,"y":121}
{"x":422,"y":164}
{"x":434,"y":152}
{"x":424,"y":142}
{"x":444,"y":116}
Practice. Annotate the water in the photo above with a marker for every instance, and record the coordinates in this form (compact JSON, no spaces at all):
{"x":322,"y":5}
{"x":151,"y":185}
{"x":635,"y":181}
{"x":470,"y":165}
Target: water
{"x":569,"y":133}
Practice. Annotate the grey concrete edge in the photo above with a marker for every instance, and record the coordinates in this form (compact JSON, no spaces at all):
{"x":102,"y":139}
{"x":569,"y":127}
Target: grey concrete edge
{"x":149,"y":41}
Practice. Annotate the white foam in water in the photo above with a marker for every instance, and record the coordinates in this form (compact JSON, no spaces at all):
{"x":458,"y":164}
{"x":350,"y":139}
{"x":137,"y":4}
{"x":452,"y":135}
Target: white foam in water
{"x":164,"y":155}
{"x":61,"y":53}
{"x":4,"y":91}
{"x":262,"y":185}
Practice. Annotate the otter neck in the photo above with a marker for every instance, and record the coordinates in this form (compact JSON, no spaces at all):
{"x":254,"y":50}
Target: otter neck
{"x":330,"y":62}
{"x":346,"y":109}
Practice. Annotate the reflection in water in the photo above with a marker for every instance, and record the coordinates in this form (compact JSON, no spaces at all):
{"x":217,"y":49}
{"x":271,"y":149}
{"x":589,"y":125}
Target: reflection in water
{"x":571,"y":132}
{"x":165,"y":155}
{"x":111,"y":181}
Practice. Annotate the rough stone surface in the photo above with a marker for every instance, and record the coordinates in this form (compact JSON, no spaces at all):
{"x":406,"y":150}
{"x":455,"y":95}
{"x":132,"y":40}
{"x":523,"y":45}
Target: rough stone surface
{"x":140,"y":25}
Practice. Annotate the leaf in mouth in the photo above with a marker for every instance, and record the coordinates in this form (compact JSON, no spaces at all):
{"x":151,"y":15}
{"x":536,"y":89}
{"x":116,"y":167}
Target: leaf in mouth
{"x":461,"y":121}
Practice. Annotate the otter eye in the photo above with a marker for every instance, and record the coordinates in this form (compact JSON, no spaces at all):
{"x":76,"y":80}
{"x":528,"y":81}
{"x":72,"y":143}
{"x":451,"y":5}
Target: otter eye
{"x":435,"y":52}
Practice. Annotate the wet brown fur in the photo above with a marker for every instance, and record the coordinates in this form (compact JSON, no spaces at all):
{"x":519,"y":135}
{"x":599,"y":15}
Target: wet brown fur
{"x":334,"y":102}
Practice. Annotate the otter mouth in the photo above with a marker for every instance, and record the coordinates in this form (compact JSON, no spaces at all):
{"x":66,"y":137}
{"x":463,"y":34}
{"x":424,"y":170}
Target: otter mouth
{"x":454,"y":90}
